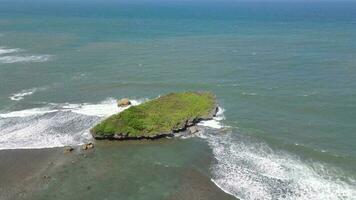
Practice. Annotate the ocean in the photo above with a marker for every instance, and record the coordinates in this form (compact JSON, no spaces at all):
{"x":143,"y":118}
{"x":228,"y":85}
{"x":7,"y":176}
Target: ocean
{"x":284,"y":74}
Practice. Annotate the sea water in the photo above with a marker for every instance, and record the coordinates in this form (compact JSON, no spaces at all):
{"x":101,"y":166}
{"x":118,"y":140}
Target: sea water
{"x":284,"y":73}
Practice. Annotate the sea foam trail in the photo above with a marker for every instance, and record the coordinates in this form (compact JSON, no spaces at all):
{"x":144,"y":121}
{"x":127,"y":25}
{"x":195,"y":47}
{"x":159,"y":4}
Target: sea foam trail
{"x":9,"y":56}
{"x":53,"y":126}
{"x":4,"y":50}
{"x":24,"y":59}
{"x":21,"y":95}
{"x":253,"y":171}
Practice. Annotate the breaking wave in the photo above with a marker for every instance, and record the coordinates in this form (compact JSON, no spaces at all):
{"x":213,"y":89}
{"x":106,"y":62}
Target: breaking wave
{"x":246,"y":169}
{"x":21,"y":95}
{"x":55,"y":125}
{"x":216,"y":121}
{"x":251,"y":170}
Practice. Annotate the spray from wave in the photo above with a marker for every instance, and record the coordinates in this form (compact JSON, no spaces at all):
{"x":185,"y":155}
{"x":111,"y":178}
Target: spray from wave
{"x":251,"y":170}
{"x":53,"y":126}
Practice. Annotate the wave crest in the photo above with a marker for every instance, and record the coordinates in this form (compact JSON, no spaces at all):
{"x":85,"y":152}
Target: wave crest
{"x":254,"y":171}
{"x":21,"y":95}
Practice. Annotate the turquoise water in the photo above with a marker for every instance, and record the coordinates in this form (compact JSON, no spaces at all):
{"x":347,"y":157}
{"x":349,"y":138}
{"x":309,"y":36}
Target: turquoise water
{"x":283,"y":72}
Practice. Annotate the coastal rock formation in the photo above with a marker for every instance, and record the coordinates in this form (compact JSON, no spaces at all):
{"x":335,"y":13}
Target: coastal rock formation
{"x":193,"y":129}
{"x":161,"y":117}
{"x":68,"y":149}
{"x":88,"y":146}
{"x":123,"y":102}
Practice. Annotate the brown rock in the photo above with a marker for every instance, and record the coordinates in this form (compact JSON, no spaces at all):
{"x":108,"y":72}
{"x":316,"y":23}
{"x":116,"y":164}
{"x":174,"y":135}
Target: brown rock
{"x":68,"y":149}
{"x":46,"y":177}
{"x":123,"y":102}
{"x":88,"y":146}
{"x":193,"y":129}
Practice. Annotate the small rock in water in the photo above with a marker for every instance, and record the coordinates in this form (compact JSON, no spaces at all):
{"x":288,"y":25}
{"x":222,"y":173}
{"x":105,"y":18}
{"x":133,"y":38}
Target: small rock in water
{"x":193,"y":129}
{"x":68,"y":149}
{"x":88,"y":146}
{"x":46,"y":177}
{"x":123,"y":102}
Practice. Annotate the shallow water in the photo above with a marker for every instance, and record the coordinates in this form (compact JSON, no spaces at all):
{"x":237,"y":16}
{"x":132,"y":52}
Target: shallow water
{"x":284,"y":74}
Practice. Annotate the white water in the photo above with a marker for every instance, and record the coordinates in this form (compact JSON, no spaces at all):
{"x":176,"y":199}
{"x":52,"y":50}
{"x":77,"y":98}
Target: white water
{"x":253,"y":171}
{"x":9,"y":56}
{"x":55,"y":125}
{"x":22,"y":94}
{"x":4,"y":50}
{"x":216,"y":121}
{"x":24,"y":59}
{"x":244,"y":169}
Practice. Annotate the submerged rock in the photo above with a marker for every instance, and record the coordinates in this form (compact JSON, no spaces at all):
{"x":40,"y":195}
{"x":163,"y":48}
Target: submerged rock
{"x":68,"y":150}
{"x":88,"y":146}
{"x":123,"y":102}
{"x":46,"y":177}
{"x":158,"y":118}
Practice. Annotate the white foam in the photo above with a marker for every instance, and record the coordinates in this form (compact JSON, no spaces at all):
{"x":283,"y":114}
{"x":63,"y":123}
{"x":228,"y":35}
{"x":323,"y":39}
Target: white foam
{"x":254,"y":171}
{"x":105,"y":108}
{"x":102,"y":109}
{"x":7,"y":50}
{"x":249,"y":93}
{"x":45,"y":131}
{"x":20,"y":95}
{"x":28,"y":112}
{"x":55,"y":125}
{"x":215,"y":123}
{"x":24,"y":59}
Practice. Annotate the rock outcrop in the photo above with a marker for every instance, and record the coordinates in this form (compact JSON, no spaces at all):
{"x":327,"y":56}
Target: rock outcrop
{"x":161,"y":117}
{"x":123,"y":102}
{"x":88,"y":146}
{"x":68,"y":149}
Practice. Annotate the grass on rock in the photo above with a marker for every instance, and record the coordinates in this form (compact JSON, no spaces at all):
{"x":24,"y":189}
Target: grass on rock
{"x":161,"y":115}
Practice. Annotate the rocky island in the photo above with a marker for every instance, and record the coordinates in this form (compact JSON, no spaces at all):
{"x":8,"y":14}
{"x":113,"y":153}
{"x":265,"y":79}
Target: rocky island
{"x":160,"y":117}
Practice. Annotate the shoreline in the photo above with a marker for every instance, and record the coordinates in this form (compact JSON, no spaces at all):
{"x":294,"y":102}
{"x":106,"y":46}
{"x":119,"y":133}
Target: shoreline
{"x":33,"y":173}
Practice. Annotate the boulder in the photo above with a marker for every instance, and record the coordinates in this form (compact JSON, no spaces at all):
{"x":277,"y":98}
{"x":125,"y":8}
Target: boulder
{"x":68,"y":149}
{"x":123,"y":102}
{"x":88,"y":146}
{"x":193,"y":129}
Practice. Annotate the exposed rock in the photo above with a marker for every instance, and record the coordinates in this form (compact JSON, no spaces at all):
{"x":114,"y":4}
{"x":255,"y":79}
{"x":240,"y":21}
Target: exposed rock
{"x":46,"y":177}
{"x":123,"y":102}
{"x":165,"y":116}
{"x":88,"y":146}
{"x":193,"y":129}
{"x":68,"y":149}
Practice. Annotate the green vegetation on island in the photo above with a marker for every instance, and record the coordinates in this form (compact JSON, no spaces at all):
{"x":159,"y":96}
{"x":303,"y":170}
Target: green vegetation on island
{"x":159,"y":117}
